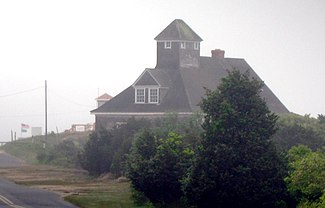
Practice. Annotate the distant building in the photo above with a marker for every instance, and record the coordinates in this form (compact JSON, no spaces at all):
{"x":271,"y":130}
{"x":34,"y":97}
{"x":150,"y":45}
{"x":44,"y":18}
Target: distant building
{"x":81,"y":127}
{"x":177,"y":82}
{"x":101,"y":100}
{"x":36,"y":131}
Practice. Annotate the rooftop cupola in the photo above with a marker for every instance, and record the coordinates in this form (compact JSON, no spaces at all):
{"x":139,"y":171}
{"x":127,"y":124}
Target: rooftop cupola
{"x":178,"y":46}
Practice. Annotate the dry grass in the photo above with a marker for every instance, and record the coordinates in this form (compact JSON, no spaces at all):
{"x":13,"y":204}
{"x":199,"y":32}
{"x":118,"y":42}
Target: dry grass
{"x":75,"y":185}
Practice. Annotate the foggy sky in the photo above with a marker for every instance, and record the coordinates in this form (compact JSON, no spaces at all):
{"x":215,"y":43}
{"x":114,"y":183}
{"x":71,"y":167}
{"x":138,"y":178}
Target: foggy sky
{"x":86,"y":48}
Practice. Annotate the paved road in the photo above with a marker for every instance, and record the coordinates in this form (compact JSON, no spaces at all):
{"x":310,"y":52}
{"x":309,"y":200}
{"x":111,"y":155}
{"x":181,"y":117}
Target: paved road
{"x":9,"y":161}
{"x":15,"y":196}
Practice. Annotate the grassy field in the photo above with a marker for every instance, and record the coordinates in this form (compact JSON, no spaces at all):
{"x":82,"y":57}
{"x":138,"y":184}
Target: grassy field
{"x":28,"y":148}
{"x":115,"y":195}
{"x":74,"y":185}
{"x":24,"y":150}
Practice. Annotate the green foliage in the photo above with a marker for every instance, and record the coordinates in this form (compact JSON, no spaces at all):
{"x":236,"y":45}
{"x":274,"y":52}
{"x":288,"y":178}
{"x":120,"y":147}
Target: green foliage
{"x":320,"y":203}
{"x":306,"y":181}
{"x":236,"y":164}
{"x":114,"y":195}
{"x":64,"y":154}
{"x":26,"y":151}
{"x":61,"y":149}
{"x":140,"y":199}
{"x":122,"y":142}
{"x":189,"y":128}
{"x":321,"y":118}
{"x":156,"y":167}
{"x":294,"y":130}
{"x":97,"y":154}
{"x":106,"y":150}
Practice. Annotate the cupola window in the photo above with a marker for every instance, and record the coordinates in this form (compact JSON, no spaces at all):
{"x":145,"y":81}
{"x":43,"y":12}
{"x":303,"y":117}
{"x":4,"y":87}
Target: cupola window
{"x":168,"y":44}
{"x":183,"y":45}
{"x":196,"y":45}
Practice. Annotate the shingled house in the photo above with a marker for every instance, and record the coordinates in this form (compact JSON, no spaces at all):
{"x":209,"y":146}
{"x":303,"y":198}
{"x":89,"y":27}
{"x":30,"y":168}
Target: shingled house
{"x":177,"y":82}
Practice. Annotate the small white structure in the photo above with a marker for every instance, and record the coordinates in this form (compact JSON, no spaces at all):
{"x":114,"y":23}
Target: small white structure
{"x":103,"y":99}
{"x":81,"y":127}
{"x":36,"y":131}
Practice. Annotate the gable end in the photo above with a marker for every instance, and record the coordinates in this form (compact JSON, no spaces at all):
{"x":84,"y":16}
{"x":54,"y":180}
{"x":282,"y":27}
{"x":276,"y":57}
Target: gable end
{"x":146,"y":79}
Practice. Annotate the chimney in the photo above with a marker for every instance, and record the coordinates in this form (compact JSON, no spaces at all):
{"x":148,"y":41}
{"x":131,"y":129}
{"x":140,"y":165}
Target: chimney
{"x":218,"y":53}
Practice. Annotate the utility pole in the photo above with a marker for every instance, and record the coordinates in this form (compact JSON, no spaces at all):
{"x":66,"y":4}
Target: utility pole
{"x":45,"y":113}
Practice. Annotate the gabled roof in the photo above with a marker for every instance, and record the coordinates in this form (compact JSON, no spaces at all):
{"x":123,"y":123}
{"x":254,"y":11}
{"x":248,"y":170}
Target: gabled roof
{"x":184,"y":88}
{"x":178,"y":30}
{"x":175,"y":100}
{"x":104,"y":96}
{"x":146,"y":79}
{"x":152,"y":77}
{"x":209,"y":76}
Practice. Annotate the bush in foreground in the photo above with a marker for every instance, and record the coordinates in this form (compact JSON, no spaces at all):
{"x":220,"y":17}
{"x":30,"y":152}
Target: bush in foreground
{"x":156,"y":167}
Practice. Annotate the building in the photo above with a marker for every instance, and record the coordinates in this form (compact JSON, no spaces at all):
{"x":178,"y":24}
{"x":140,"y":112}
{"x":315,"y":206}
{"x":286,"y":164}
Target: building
{"x":101,"y":100}
{"x":36,"y":131}
{"x":81,"y":127}
{"x":177,"y":82}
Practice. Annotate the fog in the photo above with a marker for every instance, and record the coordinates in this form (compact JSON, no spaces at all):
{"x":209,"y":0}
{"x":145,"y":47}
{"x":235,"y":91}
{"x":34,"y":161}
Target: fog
{"x":86,"y":48}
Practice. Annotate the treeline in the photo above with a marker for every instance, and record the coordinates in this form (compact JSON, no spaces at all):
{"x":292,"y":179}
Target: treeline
{"x":108,"y":150}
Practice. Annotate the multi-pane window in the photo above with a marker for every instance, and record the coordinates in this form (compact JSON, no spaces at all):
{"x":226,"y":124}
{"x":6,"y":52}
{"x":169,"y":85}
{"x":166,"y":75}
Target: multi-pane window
{"x":146,"y":95}
{"x":196,"y":45}
{"x":153,"y":95}
{"x":183,"y":45}
{"x":140,"y":95}
{"x":168,"y":44}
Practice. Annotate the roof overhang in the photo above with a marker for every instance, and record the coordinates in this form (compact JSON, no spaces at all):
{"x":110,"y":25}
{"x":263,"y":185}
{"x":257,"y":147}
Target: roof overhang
{"x":139,"y":113}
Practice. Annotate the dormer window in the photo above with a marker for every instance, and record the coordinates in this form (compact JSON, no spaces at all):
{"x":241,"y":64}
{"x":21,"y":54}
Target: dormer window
{"x":147,"y":95}
{"x":153,"y":95}
{"x":140,"y":95}
{"x":183,"y":45}
{"x":168,"y":44}
{"x":196,"y":45}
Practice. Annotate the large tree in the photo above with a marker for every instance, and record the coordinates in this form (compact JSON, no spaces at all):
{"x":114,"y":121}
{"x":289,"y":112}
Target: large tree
{"x":237,"y":165}
{"x":106,"y":150}
{"x":157,"y":166}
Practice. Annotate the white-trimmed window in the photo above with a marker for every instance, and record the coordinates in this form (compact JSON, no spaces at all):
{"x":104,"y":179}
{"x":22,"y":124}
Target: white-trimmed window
{"x":140,"y":95}
{"x":153,"y":95}
{"x":168,"y":44}
{"x":183,"y":45}
{"x":196,"y":45}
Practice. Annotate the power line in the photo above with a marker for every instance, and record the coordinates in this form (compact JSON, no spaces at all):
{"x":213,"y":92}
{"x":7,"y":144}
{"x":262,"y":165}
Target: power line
{"x":57,"y":94}
{"x":20,"y":92}
{"x":69,"y":100}
{"x":52,"y":114}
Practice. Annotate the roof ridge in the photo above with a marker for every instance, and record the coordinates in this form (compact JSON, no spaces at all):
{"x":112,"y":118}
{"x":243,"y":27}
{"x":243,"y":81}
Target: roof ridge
{"x":178,"y":30}
{"x":186,"y":90}
{"x":177,"y":27}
